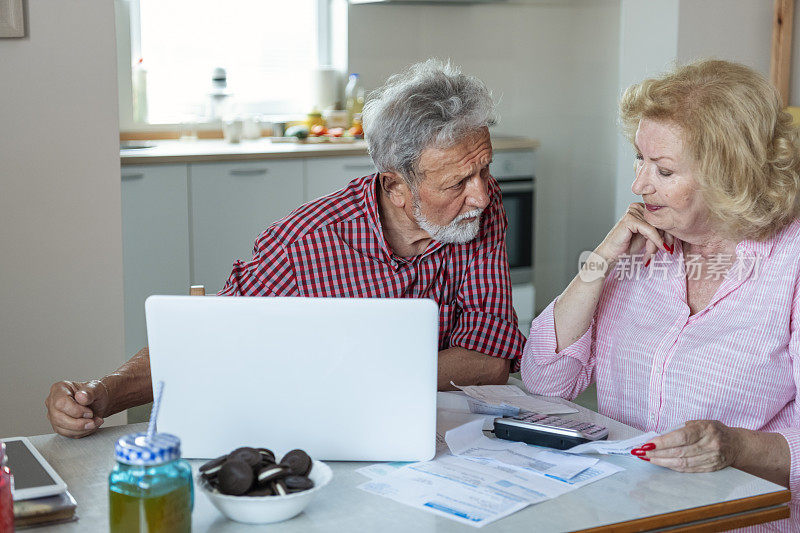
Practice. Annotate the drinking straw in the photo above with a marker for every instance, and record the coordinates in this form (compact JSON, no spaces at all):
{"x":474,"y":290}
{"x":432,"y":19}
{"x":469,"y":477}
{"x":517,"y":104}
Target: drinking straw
{"x":151,"y":427}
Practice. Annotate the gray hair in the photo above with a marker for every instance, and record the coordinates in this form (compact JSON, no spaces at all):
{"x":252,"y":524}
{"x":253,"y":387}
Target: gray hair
{"x":431,"y":104}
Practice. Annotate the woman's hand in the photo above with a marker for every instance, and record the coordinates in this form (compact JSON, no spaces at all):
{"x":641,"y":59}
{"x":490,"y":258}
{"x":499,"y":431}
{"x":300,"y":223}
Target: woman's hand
{"x":699,"y":446}
{"x":633,"y":235}
{"x":708,"y":445}
{"x":575,"y":308}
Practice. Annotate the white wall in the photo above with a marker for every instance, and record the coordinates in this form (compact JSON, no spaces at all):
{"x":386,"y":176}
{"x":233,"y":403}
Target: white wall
{"x":648,"y":44}
{"x":738,"y":30}
{"x":554,"y":67}
{"x":61,"y":262}
{"x":122,"y":12}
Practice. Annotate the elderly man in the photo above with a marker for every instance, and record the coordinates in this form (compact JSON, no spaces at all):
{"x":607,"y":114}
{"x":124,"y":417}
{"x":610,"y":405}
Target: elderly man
{"x":429,"y":224}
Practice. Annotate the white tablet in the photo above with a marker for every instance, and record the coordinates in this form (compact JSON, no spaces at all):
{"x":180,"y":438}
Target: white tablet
{"x":33,"y":475}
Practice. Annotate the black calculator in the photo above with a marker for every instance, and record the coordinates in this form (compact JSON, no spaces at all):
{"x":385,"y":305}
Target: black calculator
{"x":547,"y":430}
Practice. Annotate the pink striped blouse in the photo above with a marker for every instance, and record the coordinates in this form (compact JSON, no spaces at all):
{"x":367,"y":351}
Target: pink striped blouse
{"x":736,"y":361}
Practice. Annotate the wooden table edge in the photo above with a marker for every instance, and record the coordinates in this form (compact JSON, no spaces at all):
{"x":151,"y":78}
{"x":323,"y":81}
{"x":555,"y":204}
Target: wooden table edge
{"x":705,"y":512}
{"x":736,"y":521}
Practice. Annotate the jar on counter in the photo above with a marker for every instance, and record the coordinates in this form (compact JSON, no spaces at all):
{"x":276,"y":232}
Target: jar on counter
{"x":150,"y":488}
{"x":314,"y":119}
{"x":335,"y":118}
{"x":6,"y":501}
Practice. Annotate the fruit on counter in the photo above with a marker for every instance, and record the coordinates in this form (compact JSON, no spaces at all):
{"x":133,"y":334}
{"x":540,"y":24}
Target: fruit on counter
{"x":356,"y":131}
{"x":318,"y":130}
{"x":301,"y":132}
{"x":336,"y":132}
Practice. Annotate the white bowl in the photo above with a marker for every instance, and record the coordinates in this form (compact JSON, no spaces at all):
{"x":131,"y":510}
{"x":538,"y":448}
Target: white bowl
{"x":267,"y":509}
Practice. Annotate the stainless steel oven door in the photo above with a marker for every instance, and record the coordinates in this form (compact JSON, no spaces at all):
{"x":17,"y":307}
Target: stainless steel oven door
{"x":518,"y":201}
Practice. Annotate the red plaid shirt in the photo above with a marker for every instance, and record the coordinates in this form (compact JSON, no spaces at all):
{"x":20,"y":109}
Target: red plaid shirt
{"x":334,"y":247}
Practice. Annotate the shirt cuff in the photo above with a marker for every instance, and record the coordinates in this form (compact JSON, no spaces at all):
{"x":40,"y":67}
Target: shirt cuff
{"x":488,"y":334}
{"x":792,"y":436}
{"x":542,"y":342}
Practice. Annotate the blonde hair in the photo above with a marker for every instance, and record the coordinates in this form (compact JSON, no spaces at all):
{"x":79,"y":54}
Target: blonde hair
{"x":743,"y":143}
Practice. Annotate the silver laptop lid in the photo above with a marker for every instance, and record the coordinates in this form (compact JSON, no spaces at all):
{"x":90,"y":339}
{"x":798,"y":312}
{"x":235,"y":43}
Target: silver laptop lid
{"x":342,"y":378}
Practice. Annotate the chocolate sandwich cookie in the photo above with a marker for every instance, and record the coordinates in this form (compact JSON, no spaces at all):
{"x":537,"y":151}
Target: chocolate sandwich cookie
{"x":211,"y":468}
{"x":298,"y":461}
{"x":260,"y":491}
{"x":279,"y":487}
{"x":271,"y":473}
{"x":266,"y":455}
{"x":250,"y":456}
{"x":298,"y":483}
{"x":235,"y":477}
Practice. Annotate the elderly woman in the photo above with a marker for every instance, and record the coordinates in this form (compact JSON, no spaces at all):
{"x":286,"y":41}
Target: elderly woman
{"x":687,"y":315}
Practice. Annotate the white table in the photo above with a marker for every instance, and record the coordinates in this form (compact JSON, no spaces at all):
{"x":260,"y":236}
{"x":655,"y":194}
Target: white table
{"x":643,"y":497}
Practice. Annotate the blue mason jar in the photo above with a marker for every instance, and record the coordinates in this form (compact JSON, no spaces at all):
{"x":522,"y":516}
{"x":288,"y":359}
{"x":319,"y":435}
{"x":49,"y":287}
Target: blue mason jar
{"x":150,"y":488}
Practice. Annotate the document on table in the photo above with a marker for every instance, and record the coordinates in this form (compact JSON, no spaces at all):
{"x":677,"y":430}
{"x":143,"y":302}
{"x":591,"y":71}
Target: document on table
{"x":489,"y":481}
{"x":613,"y":447}
{"x":482,"y":407}
{"x":458,"y":488}
{"x":468,"y":440}
{"x":472,"y":505}
{"x":458,"y":402}
{"x":513,"y":396}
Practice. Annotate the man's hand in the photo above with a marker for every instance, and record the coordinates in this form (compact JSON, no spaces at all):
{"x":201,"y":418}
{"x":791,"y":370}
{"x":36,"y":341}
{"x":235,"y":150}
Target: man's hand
{"x":75,"y":409}
{"x":699,"y":446}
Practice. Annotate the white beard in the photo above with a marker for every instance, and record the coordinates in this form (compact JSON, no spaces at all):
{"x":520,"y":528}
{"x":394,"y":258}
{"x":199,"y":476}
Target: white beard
{"x":456,"y":232}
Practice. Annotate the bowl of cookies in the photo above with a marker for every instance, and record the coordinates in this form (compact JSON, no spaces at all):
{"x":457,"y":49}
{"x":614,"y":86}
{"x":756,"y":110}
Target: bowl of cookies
{"x":251,"y":486}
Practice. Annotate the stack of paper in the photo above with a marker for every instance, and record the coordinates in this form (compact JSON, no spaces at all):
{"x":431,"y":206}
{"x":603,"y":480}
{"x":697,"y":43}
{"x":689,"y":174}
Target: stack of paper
{"x":476,"y":480}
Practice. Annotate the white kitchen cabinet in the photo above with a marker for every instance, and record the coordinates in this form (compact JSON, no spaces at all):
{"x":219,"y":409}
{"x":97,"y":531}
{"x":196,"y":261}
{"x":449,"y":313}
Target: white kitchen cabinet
{"x":230,"y":205}
{"x":324,"y":175}
{"x":155,"y":241}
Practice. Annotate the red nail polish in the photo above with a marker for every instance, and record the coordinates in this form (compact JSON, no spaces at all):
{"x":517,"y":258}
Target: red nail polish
{"x":647,"y":447}
{"x":638,"y":452}
{"x":643,"y":458}
{"x":648,"y":262}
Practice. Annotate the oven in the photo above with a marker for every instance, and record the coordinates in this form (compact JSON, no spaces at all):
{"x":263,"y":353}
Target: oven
{"x":518,"y":201}
{"x":514,"y":173}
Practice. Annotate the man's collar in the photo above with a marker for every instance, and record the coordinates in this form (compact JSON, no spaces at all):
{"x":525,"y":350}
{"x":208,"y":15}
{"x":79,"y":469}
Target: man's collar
{"x":372,"y":209}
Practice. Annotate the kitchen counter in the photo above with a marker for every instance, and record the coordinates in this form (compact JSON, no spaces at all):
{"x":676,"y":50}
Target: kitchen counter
{"x":177,"y":151}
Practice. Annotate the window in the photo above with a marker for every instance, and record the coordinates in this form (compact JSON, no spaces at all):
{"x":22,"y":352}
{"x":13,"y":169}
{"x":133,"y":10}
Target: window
{"x":269,"y":49}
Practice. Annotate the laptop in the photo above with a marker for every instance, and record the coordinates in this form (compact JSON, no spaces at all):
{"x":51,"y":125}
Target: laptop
{"x":345,"y":379}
